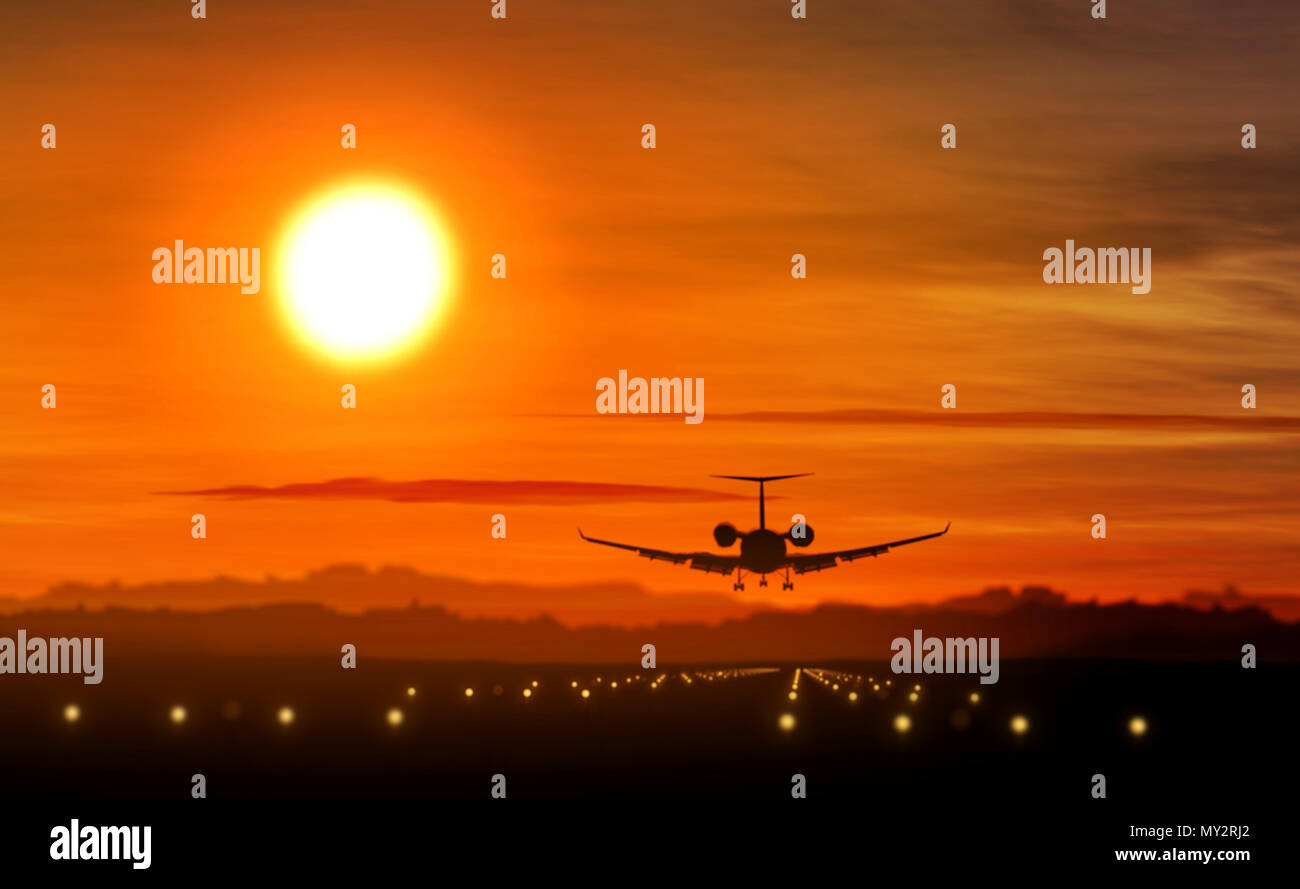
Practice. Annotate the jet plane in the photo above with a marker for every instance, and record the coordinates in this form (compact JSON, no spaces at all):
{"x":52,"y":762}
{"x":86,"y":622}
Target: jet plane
{"x":763,"y":551}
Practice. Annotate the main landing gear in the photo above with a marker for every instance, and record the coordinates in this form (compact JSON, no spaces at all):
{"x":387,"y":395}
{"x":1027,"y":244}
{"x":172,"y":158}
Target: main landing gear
{"x":739,"y":585}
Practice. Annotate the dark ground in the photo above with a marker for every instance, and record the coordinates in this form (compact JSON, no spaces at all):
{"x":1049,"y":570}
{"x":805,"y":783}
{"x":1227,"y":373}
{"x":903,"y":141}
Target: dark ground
{"x":638,"y":769}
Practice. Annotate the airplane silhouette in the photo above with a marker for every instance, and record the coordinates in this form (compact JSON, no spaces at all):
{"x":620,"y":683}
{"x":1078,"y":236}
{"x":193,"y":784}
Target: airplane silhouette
{"x":762,"y":551}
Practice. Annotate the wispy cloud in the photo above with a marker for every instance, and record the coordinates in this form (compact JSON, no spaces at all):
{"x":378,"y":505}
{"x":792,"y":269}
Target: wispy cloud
{"x":463,"y":491}
{"x":1245,"y":423}
{"x":1027,"y":420}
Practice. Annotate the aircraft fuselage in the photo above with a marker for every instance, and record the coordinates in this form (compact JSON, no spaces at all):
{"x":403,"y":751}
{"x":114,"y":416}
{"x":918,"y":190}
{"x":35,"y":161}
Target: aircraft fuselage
{"x":762,"y":551}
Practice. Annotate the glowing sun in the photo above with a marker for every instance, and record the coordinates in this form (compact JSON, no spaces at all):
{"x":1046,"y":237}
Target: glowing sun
{"x":364,"y":272}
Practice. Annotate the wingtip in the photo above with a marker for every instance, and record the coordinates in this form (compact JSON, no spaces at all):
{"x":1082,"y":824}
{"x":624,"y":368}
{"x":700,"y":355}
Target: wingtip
{"x":946,"y":527}
{"x":580,"y":534}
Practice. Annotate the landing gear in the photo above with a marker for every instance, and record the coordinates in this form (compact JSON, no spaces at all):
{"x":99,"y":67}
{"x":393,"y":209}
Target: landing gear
{"x":788,"y":585}
{"x":762,"y":581}
{"x":740,"y":581}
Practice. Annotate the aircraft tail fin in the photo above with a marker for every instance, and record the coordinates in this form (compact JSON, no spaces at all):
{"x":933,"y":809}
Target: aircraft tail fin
{"x":761,"y":479}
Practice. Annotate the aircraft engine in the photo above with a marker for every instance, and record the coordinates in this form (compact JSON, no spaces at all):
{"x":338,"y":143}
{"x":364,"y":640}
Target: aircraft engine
{"x":725,"y":534}
{"x":806,"y":539}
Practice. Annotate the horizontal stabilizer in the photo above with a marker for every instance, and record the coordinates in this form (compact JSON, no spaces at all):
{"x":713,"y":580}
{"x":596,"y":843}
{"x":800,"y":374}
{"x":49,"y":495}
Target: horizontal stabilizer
{"x":761,"y":478}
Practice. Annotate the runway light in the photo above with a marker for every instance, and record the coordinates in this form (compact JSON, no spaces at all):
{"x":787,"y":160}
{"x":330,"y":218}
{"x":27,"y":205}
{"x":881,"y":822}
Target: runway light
{"x":586,"y":692}
{"x":786,"y":722}
{"x":178,"y":714}
{"x":528,"y":692}
{"x":912,"y":697}
{"x":469,"y":692}
{"x":902,"y":723}
{"x":534,"y":683}
{"x":72,"y":713}
{"x":916,"y":687}
{"x":613,"y":685}
{"x":974,"y":697}
{"x":1019,"y":724}
{"x":410,"y":692}
{"x":573,"y":684}
{"x":1138,"y":726}
{"x":853,"y":696}
{"x":395,"y":717}
{"x":794,"y":695}
{"x":285,"y":716}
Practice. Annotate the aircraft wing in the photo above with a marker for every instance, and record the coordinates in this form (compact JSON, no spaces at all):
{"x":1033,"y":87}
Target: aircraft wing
{"x":699,"y":561}
{"x":822,"y":561}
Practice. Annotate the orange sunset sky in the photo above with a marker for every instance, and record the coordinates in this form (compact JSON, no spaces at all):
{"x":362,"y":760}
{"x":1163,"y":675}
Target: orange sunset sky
{"x":775,"y":137}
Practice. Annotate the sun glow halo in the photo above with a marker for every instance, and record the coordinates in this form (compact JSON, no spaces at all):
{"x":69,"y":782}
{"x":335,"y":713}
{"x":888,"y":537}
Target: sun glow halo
{"x":365,"y":272}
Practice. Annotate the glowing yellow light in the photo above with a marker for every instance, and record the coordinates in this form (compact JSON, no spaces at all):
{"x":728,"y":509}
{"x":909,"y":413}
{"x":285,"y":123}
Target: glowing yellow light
{"x":72,"y":713}
{"x":528,"y":692}
{"x":586,"y":692}
{"x":364,"y":272}
{"x":1019,"y":724}
{"x":534,"y":683}
{"x":1138,"y":726}
{"x":912,"y":696}
{"x":853,"y":696}
{"x":178,"y":714}
{"x":974,"y":697}
{"x":786,"y":722}
{"x":916,"y":687}
{"x":395,"y":717}
{"x":613,"y":685}
{"x":889,"y":682}
{"x":794,"y":695}
{"x":835,"y":687}
{"x":285,"y":716}
{"x":573,"y":684}
{"x":902,"y":723}
{"x":875,"y":688}
{"x":469,"y":692}
{"x":410,"y":692}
